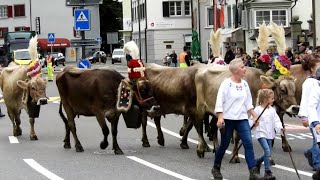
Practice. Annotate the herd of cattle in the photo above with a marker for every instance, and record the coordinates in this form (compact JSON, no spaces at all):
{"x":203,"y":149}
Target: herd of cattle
{"x":190,"y":92}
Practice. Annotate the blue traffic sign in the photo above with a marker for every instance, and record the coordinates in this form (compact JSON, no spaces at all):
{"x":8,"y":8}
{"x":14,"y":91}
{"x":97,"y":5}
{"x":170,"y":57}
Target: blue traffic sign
{"x":84,"y":63}
{"x":51,"y":37}
{"x":82,"y":19}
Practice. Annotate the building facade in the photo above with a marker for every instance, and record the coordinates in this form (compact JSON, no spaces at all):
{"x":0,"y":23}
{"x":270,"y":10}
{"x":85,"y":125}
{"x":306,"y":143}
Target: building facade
{"x":160,"y":26}
{"x":43,"y":17}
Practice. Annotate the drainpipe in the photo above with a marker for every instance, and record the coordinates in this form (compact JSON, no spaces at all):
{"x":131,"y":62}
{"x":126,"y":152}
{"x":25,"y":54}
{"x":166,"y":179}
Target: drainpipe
{"x":244,"y":32}
{"x":139,"y":24}
{"x":131,"y":19}
{"x":314,"y":30}
{"x":145,"y":30}
{"x":30,"y":16}
{"x":295,"y":3}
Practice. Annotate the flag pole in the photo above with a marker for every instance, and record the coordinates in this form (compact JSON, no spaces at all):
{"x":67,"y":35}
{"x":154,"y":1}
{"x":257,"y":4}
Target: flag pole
{"x":214,"y":15}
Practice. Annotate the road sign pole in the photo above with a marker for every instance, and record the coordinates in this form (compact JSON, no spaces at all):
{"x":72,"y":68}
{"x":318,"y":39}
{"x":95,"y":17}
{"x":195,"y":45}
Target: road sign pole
{"x":51,"y":48}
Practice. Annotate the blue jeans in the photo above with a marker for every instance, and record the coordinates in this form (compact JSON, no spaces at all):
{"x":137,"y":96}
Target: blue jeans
{"x":315,"y":152}
{"x":243,"y":129}
{"x":266,"y":144}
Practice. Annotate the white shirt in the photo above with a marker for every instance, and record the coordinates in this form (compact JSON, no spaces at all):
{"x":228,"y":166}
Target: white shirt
{"x":269,"y":122}
{"x":314,"y":104}
{"x":307,"y":85}
{"x":234,"y":100}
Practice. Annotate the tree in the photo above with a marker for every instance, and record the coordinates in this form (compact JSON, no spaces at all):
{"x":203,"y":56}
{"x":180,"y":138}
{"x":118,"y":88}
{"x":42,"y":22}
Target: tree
{"x":110,"y":20}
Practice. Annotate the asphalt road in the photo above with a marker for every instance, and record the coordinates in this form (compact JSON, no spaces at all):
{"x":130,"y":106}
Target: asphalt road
{"x":22,"y":159}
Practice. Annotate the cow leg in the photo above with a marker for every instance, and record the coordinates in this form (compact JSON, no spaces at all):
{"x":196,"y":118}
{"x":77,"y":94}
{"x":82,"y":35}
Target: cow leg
{"x":184,"y":126}
{"x":214,"y":132}
{"x":198,"y":124}
{"x":236,"y":140}
{"x":73,"y":129}
{"x":105,"y":130}
{"x":160,"y":134}
{"x":188,"y":127}
{"x":114,"y":131}
{"x":145,"y":141}
{"x":18,"y":130}
{"x":33,"y":135}
{"x":12,"y":118}
{"x":285,"y":145}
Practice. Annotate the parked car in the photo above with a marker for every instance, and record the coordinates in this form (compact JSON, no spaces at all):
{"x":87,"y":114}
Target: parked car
{"x":58,"y":58}
{"x":117,"y":56}
{"x":95,"y":57}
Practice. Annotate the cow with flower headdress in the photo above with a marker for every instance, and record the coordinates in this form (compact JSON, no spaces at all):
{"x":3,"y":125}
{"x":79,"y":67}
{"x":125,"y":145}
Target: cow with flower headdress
{"x":24,"y":88}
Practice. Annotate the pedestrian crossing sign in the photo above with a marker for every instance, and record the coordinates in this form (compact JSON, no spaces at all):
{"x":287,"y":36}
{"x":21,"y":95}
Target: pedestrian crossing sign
{"x":82,"y":19}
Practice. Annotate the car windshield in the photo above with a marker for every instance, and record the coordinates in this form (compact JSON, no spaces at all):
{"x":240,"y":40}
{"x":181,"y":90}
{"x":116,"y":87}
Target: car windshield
{"x":117,"y":52}
{"x":22,"y":55}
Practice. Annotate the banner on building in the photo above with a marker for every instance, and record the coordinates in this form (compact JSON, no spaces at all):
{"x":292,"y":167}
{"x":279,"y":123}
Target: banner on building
{"x":160,"y":25}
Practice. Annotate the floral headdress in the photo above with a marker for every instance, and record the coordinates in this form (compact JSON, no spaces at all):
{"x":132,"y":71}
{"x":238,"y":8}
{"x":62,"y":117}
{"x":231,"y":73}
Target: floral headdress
{"x":263,"y":62}
{"x":281,"y":64}
{"x":215,"y":42}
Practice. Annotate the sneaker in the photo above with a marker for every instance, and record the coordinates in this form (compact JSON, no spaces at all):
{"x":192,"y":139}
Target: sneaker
{"x":216,"y":173}
{"x":254,"y":174}
{"x":269,"y":176}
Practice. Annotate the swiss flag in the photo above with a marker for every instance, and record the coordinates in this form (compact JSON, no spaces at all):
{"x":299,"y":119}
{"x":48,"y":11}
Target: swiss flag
{"x":219,"y":13}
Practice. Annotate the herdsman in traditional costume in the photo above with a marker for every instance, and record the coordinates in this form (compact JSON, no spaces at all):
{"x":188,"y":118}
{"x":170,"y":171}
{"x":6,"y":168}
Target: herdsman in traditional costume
{"x":136,"y":74}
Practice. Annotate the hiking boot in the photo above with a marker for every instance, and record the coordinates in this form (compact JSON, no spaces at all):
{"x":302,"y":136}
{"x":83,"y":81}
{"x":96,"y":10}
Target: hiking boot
{"x":308,"y":155}
{"x":268,"y":175}
{"x":216,"y":173}
{"x":316,"y":175}
{"x":254,"y":174}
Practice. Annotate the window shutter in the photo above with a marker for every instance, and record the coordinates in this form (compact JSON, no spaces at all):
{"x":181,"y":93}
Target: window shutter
{"x":165,"y":9}
{"x":9,"y":9}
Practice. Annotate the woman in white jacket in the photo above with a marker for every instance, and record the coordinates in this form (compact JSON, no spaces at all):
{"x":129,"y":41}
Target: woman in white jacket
{"x":269,"y":122}
{"x":313,"y":110}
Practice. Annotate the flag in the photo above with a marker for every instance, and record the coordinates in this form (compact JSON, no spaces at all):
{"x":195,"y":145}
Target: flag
{"x":219,"y":13}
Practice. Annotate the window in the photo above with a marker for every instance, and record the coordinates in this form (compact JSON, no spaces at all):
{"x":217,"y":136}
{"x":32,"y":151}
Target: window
{"x":3,"y":11}
{"x":209,"y":16}
{"x":19,"y":10}
{"x":2,"y":31}
{"x":187,"y":8}
{"x":175,"y":8}
{"x":277,"y":16}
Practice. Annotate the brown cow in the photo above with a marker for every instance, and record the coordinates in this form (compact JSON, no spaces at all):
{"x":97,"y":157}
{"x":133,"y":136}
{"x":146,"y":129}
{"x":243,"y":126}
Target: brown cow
{"x":22,"y":92}
{"x":174,"y":89}
{"x":94,"y":93}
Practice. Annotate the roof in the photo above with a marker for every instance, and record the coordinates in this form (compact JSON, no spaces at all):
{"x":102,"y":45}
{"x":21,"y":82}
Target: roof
{"x":58,"y":43}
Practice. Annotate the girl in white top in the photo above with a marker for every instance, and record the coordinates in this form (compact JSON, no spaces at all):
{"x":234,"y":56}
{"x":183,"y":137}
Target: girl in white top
{"x":269,"y":122}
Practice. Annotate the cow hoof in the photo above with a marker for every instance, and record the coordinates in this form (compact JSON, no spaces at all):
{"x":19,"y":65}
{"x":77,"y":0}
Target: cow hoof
{"x":118,"y":152}
{"x":200,"y":154}
{"x":181,"y":132}
{"x":235,"y":160}
{"x":286,"y":149}
{"x":161,"y":141}
{"x":145,"y":144}
{"x":104,"y":145}
{"x":33,"y":138}
{"x":67,"y":146}
{"x":213,"y":150}
{"x":207,"y":149}
{"x":79,"y":148}
{"x":184,"y":146}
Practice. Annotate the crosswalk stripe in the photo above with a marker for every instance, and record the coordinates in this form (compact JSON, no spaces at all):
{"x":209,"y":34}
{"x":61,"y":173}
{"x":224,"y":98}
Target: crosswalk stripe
{"x":296,"y":136}
{"x":306,"y":135}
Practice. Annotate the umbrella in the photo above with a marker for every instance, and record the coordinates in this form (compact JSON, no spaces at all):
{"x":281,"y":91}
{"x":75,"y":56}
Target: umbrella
{"x":195,"y":46}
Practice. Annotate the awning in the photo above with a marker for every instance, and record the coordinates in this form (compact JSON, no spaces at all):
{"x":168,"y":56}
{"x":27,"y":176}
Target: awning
{"x":228,"y":32}
{"x":58,"y":43}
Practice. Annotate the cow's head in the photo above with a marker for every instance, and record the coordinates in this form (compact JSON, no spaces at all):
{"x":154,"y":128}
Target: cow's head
{"x":144,"y":95}
{"x":284,"y":92}
{"x":36,"y":89}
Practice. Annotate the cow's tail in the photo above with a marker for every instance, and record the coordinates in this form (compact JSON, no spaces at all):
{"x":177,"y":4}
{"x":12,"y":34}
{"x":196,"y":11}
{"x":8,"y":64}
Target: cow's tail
{"x":63,"y":117}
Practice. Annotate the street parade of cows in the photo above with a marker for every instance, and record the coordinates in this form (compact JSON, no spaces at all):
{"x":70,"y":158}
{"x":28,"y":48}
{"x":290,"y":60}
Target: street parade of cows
{"x":239,"y":101}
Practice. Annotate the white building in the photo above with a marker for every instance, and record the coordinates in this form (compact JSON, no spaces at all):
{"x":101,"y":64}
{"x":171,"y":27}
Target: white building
{"x":45,"y":16}
{"x":167,"y":25}
{"x":317,"y":22}
{"x":248,"y":18}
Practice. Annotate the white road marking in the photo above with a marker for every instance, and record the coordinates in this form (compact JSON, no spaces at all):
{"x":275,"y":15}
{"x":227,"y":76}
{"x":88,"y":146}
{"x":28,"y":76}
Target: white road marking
{"x":306,"y":135}
{"x":158,"y":168}
{"x":13,"y":140}
{"x":41,"y":169}
{"x":296,"y":136}
{"x":229,"y":152}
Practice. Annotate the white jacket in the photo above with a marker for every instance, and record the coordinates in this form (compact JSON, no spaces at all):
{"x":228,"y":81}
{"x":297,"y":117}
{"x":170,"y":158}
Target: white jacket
{"x":314,"y":104}
{"x":307,"y":85}
{"x":269,"y":122}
